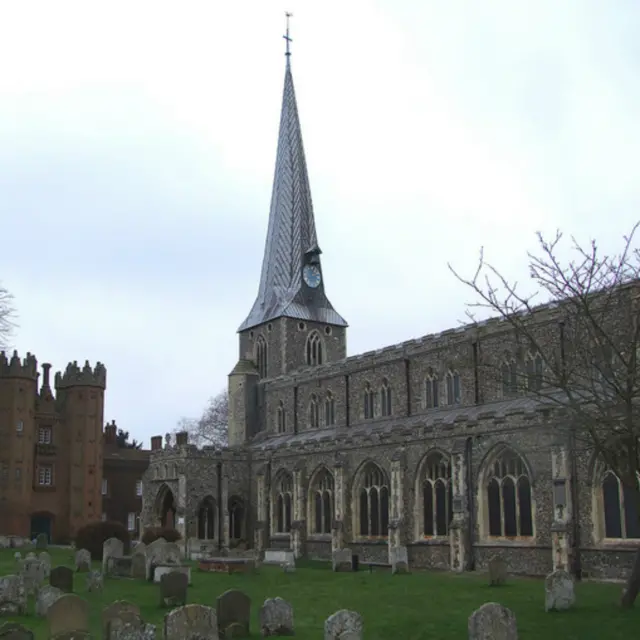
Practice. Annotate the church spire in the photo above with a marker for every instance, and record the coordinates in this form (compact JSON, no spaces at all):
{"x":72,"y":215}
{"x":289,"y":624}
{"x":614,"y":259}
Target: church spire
{"x":292,"y":246}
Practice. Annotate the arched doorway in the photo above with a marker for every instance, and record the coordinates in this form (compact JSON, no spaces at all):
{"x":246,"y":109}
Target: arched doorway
{"x":41,"y":522}
{"x":166,"y":507}
{"x":207,"y":519}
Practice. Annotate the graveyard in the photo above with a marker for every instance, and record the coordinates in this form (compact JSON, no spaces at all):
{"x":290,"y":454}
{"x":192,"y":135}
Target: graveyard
{"x":413,"y":606}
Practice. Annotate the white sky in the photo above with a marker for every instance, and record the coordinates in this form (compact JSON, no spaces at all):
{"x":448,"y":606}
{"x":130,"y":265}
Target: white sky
{"x":138,"y":141}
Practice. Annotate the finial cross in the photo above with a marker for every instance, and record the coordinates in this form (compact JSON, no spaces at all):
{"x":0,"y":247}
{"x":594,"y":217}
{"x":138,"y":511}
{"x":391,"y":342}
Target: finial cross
{"x":286,"y":36}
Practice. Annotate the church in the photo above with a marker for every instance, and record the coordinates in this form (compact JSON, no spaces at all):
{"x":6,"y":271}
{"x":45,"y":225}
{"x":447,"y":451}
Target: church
{"x":414,"y":445}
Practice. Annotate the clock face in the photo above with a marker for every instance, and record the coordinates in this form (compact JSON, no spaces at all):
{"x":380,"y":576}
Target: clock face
{"x":311,"y":275}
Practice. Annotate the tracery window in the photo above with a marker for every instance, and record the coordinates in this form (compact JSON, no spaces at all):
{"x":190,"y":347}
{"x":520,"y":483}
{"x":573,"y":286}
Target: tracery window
{"x":281,"y":418}
{"x":453,"y":387}
{"x":620,"y":510}
{"x":329,"y":410}
{"x":207,"y":519}
{"x":236,"y":518}
{"x":314,"y":416}
{"x":437,"y":495}
{"x":373,"y":513}
{"x":322,"y":501}
{"x":534,"y":371}
{"x":508,"y":496}
{"x":314,"y":348}
{"x":509,"y":372}
{"x":369,"y":402}
{"x":431,"y":391}
{"x":261,"y":356}
{"x":283,"y":501}
{"x":385,"y":398}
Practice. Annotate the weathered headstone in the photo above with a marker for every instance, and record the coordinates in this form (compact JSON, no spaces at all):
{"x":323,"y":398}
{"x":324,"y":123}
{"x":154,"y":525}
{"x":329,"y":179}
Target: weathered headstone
{"x":191,"y":622}
{"x":13,"y":596}
{"x":161,"y":552}
{"x":559,"y":591}
{"x":83,"y":560}
{"x":62,"y":578}
{"x":32,"y":573}
{"x":68,"y":613}
{"x":120,"y":629}
{"x":399,"y":560}
{"x":341,"y":560}
{"x":45,"y":559}
{"x":276,"y":618}
{"x":15,"y":631}
{"x":17,"y":556}
{"x":492,"y":621}
{"x":121,"y":610}
{"x":30,"y":555}
{"x":140,"y":547}
{"x":288,"y":567}
{"x":47,"y":595}
{"x":120,"y":567}
{"x":343,"y":625}
{"x":497,"y":571}
{"x":95,"y":581}
{"x":173,"y":589}
{"x":42,"y":541}
{"x":234,"y":612}
{"x":139,"y":566}
{"x":111,"y":548}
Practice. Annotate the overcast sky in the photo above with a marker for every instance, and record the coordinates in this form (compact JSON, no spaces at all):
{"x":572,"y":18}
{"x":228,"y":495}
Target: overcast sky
{"x":138,"y":141}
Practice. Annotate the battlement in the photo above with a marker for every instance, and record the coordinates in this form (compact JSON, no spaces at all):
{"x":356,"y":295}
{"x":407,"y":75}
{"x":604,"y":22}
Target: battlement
{"x":74,"y":376}
{"x":15,"y":368}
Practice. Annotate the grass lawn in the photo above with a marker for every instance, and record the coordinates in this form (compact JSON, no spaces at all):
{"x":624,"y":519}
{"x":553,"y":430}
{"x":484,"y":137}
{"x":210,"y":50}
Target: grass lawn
{"x":420,"y":606}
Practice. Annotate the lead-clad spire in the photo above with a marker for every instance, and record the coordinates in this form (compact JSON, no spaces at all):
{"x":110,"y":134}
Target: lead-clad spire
{"x":291,"y":234}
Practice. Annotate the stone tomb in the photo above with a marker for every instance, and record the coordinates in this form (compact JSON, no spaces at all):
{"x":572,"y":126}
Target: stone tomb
{"x":227,"y":565}
{"x":68,"y":613}
{"x":341,"y":560}
{"x":344,"y":625}
{"x":191,"y":622}
{"x":161,"y":552}
{"x":276,"y":618}
{"x":15,"y":631}
{"x":13,"y":596}
{"x":62,"y":578}
{"x":279,"y":556}
{"x":173,"y":589}
{"x":492,"y":621}
{"x":559,"y":591}
{"x":233,"y":608}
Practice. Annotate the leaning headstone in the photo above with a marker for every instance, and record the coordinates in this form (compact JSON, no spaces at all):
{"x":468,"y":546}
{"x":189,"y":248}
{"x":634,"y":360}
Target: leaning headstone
{"x":234,"y":612}
{"x":343,"y":625}
{"x":62,"y":578}
{"x":173,"y":589}
{"x":399,"y":560}
{"x":276,"y":618}
{"x":83,"y":560}
{"x":341,"y":560}
{"x":32,"y":573}
{"x":47,"y":595}
{"x":42,"y":541}
{"x":13,"y":596}
{"x":492,"y":621}
{"x":68,"y":613}
{"x":139,"y":566}
{"x":15,"y":631}
{"x":191,"y":622}
{"x":45,"y":559}
{"x":95,"y":581}
{"x":120,"y":610}
{"x":559,"y":591}
{"x":497,"y":571}
{"x":111,"y":548}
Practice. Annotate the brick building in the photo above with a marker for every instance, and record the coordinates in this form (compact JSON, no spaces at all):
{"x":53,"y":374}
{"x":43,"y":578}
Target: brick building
{"x":413,"y":445}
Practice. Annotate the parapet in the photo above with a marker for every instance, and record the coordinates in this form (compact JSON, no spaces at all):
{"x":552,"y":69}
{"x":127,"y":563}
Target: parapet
{"x":74,"y":376}
{"x":15,"y":368}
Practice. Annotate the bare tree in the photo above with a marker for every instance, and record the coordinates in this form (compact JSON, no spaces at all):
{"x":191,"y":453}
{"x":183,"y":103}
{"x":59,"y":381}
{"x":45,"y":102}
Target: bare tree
{"x":211,"y":429}
{"x":587,"y":335}
{"x":7,"y":317}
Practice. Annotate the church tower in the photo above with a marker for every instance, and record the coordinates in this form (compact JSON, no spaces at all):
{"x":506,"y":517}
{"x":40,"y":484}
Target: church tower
{"x":292,"y":324}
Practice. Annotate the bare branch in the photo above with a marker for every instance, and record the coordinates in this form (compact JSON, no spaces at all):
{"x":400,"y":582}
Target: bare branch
{"x":211,"y":429}
{"x":7,"y":318}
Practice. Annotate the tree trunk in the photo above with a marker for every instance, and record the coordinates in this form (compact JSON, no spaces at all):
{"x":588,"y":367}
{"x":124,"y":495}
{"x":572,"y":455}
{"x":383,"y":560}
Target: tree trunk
{"x":632,"y":588}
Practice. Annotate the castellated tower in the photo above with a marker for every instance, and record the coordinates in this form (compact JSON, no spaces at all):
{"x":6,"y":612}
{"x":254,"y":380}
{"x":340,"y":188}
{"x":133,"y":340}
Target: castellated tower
{"x":50,"y":448}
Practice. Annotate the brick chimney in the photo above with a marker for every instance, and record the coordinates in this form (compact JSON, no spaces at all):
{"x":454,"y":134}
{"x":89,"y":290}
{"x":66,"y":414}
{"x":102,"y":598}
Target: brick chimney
{"x":110,"y":433}
{"x":156,"y":443}
{"x":182,"y":438}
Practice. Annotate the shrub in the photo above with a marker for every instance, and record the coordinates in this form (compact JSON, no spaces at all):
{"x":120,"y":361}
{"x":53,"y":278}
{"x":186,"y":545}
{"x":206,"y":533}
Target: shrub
{"x":93,"y":535}
{"x":151,"y":534}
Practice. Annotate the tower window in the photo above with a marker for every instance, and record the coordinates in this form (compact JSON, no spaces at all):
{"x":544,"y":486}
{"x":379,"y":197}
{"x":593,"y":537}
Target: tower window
{"x":453,"y":387}
{"x":431,"y":392}
{"x":44,"y":435}
{"x":329,"y":410}
{"x":369,"y":402}
{"x":261,"y":356}
{"x":385,"y":398}
{"x":534,"y":371}
{"x":314,"y":348}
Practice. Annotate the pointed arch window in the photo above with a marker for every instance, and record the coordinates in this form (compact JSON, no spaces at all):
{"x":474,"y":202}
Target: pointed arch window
{"x":508,"y":495}
{"x":329,"y":410}
{"x":453,"y":387}
{"x":281,"y":418}
{"x":236,"y":518}
{"x":283,"y":500}
{"x":431,"y":391}
{"x":620,"y":510}
{"x":437,"y":496}
{"x":314,"y":414}
{"x":322,"y":502}
{"x":261,"y":356}
{"x":207,"y":519}
{"x":369,"y":402}
{"x":314,"y":348}
{"x":373,"y":503}
{"x":534,"y":371}
{"x":385,"y":398}
{"x":509,"y":373}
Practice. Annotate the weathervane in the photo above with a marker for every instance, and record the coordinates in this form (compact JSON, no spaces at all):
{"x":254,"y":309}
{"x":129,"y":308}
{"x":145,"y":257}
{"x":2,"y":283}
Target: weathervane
{"x":286,"y":37}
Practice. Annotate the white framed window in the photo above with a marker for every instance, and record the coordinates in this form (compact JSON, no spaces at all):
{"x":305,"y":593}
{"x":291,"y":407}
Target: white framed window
{"x":139,"y":488}
{"x":45,"y":475}
{"x":19,"y":426}
{"x":105,"y":486}
{"x":131,"y":521}
{"x":44,"y":435}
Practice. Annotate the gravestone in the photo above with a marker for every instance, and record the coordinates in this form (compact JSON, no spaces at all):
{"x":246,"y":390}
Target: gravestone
{"x":95,"y":581}
{"x":161,"y":552}
{"x":343,"y":625}
{"x":341,"y":560}
{"x":173,"y":589}
{"x":111,"y":548}
{"x":45,"y":559}
{"x":276,"y":618}
{"x":288,"y":567}
{"x":15,"y":631}
{"x":191,"y":622}
{"x":47,"y":595}
{"x":68,"y":613}
{"x":399,"y":560}
{"x":120,"y":629}
{"x":497,"y":571}
{"x":42,"y":541}
{"x":120,"y":567}
{"x":140,"y":547}
{"x":492,"y":621}
{"x":559,"y":591}
{"x":62,"y":578}
{"x":139,"y":566}
{"x":17,"y":556}
{"x":83,"y":560}
{"x":278,"y":556}
{"x":13,"y":596}
{"x":120,"y":609}
{"x":32,"y":573}
{"x":233,"y":609}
